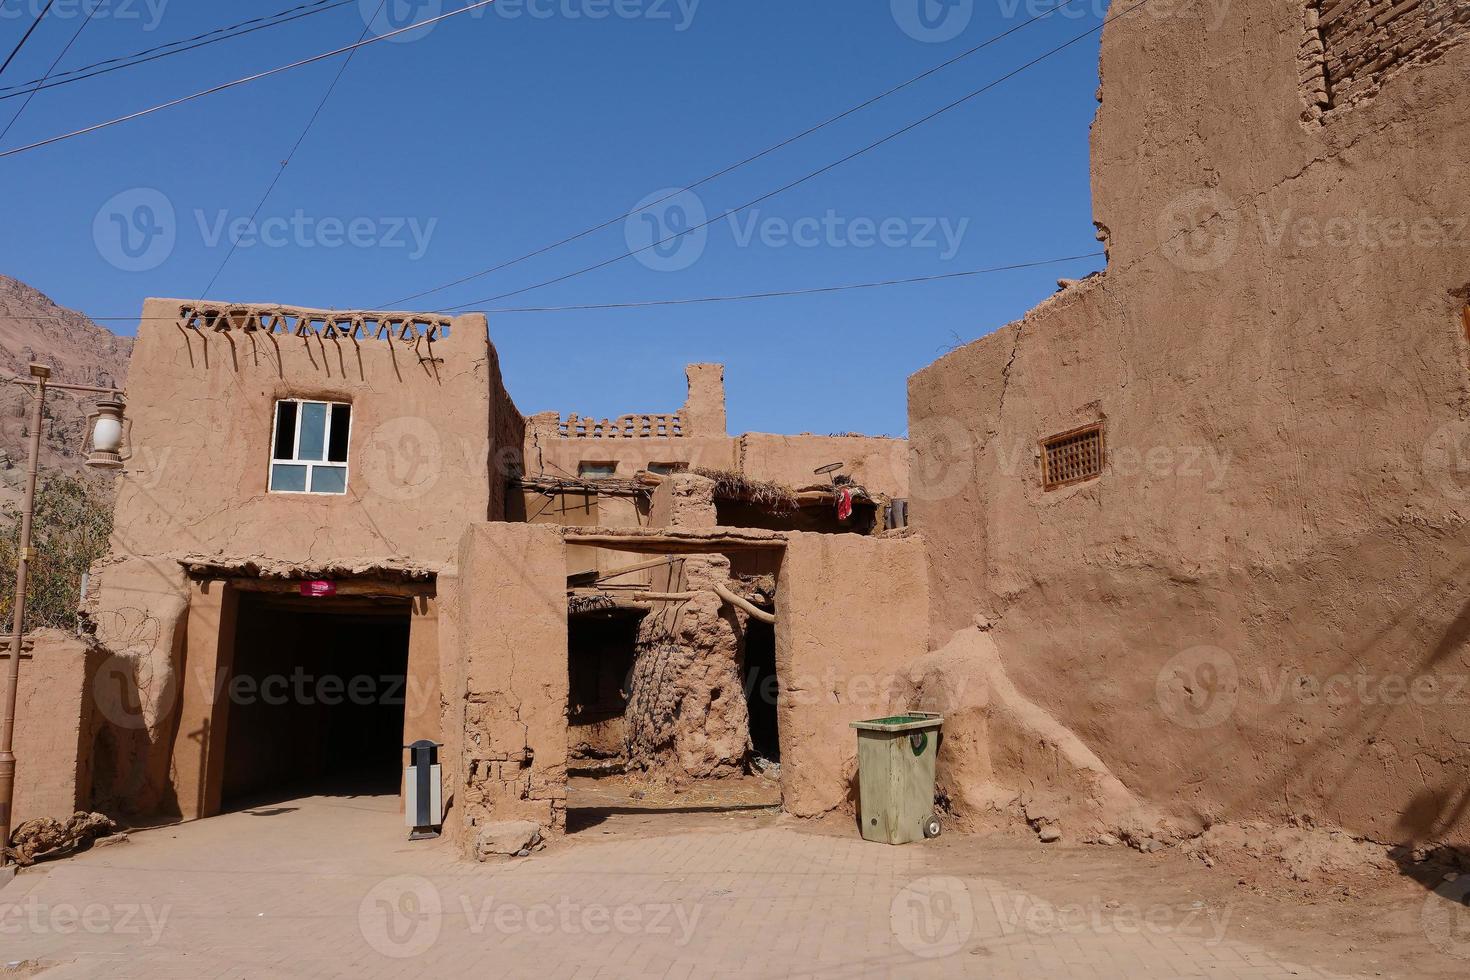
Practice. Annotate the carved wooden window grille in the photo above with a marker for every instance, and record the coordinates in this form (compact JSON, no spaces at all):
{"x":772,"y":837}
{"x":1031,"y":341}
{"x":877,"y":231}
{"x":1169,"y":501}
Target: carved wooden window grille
{"x":1072,"y":457}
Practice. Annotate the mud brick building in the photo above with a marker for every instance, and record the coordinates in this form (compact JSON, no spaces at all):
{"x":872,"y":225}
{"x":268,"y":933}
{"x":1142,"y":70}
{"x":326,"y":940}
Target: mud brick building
{"x":1188,"y":542}
{"x":321,"y":499}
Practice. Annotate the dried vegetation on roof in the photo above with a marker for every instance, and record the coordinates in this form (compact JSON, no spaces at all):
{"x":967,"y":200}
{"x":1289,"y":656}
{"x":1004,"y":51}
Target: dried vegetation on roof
{"x":730,"y":485}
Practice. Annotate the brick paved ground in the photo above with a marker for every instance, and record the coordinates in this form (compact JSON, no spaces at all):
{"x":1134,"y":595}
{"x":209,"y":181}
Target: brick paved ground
{"x":329,"y":886}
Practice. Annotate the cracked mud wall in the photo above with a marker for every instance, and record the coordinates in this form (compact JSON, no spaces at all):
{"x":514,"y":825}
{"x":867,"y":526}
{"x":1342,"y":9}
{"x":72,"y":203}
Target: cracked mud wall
{"x":1282,"y":525}
{"x":510,"y":699}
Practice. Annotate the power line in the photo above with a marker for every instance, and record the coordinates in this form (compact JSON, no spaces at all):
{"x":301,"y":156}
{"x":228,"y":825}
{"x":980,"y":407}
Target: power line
{"x":736,"y":166}
{"x":772,"y":294}
{"x":796,"y":292}
{"x":54,"y":62}
{"x":247,"y":79}
{"x":26,"y":36}
{"x":801,"y":180}
{"x":160,"y":51}
{"x":281,"y":170}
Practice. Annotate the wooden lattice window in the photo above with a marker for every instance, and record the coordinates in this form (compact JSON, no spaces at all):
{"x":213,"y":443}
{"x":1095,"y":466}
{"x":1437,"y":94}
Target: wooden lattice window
{"x":1071,"y":457}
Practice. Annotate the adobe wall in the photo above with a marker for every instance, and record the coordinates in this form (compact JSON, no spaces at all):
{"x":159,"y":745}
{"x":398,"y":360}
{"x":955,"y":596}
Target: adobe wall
{"x":851,"y":616}
{"x":508,"y":703}
{"x":53,"y":729}
{"x":433,"y":435}
{"x":877,"y":463}
{"x":1259,"y":609}
{"x":201,"y":404}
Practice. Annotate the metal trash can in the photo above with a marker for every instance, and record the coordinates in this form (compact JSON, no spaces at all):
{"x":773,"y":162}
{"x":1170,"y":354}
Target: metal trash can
{"x":423,"y":782}
{"x":896,"y":776}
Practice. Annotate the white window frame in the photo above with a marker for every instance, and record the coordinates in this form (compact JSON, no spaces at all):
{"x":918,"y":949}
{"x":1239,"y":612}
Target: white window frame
{"x":310,"y":464}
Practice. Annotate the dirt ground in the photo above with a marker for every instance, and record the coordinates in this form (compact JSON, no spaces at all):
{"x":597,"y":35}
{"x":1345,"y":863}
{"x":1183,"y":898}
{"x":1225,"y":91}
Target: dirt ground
{"x":1365,"y":921}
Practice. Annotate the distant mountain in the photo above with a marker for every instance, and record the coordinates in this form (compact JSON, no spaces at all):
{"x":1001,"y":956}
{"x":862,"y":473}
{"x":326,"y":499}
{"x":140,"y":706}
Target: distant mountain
{"x":33,"y":328}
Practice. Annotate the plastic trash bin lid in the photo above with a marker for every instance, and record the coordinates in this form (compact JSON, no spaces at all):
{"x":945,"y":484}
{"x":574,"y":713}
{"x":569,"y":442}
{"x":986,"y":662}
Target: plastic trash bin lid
{"x":900,"y":723}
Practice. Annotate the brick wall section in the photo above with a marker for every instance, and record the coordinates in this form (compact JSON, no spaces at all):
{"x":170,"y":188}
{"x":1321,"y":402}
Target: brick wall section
{"x":1352,"y":46}
{"x":52,"y":729}
{"x":510,"y":701}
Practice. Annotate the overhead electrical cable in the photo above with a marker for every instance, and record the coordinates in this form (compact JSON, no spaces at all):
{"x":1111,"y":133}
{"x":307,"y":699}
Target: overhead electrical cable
{"x":782,"y":293}
{"x":161,"y":50}
{"x":801,"y":180}
{"x":281,"y":170}
{"x":739,"y":297}
{"x":736,"y":166}
{"x":54,"y":62}
{"x":26,"y":36}
{"x":417,"y":25}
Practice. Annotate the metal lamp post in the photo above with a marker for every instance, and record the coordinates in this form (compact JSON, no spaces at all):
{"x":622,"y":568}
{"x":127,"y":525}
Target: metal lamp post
{"x":106,"y":441}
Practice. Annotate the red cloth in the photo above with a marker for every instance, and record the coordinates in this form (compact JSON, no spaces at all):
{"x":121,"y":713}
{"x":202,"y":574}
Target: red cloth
{"x":844,"y":504}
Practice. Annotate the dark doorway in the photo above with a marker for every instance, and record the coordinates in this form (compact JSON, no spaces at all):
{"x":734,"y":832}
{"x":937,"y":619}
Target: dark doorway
{"x":316,"y":698}
{"x":601,"y":646}
{"x":762,"y":689}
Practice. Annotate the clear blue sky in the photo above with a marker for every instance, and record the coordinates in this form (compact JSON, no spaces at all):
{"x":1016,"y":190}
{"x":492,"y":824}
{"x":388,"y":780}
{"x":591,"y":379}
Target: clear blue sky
{"x":499,"y":132}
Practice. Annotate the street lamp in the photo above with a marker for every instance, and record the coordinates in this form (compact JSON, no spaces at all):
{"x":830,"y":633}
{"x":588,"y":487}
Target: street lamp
{"x":106,"y":440}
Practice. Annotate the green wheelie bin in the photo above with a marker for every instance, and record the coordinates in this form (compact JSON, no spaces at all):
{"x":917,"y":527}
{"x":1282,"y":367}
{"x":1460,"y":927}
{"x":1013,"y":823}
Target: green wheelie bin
{"x":896,"y":776}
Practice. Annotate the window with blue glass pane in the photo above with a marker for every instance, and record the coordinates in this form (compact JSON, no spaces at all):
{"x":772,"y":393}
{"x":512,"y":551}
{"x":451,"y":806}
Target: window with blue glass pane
{"x":309,"y":447}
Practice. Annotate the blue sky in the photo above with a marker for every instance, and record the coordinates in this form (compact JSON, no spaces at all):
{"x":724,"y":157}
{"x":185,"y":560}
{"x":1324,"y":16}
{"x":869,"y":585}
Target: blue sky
{"x":500,"y":131}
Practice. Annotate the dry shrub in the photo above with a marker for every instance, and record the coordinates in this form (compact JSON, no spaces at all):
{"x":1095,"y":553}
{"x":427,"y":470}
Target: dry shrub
{"x":70,"y":532}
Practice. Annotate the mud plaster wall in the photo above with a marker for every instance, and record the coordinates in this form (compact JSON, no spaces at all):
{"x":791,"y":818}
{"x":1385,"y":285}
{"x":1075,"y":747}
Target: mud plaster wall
{"x":53,"y":728}
{"x":1284,"y":407}
{"x":511,"y":707}
{"x":851,"y":615}
{"x":202,"y":402}
{"x":878,"y":463}
{"x":139,"y":607}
